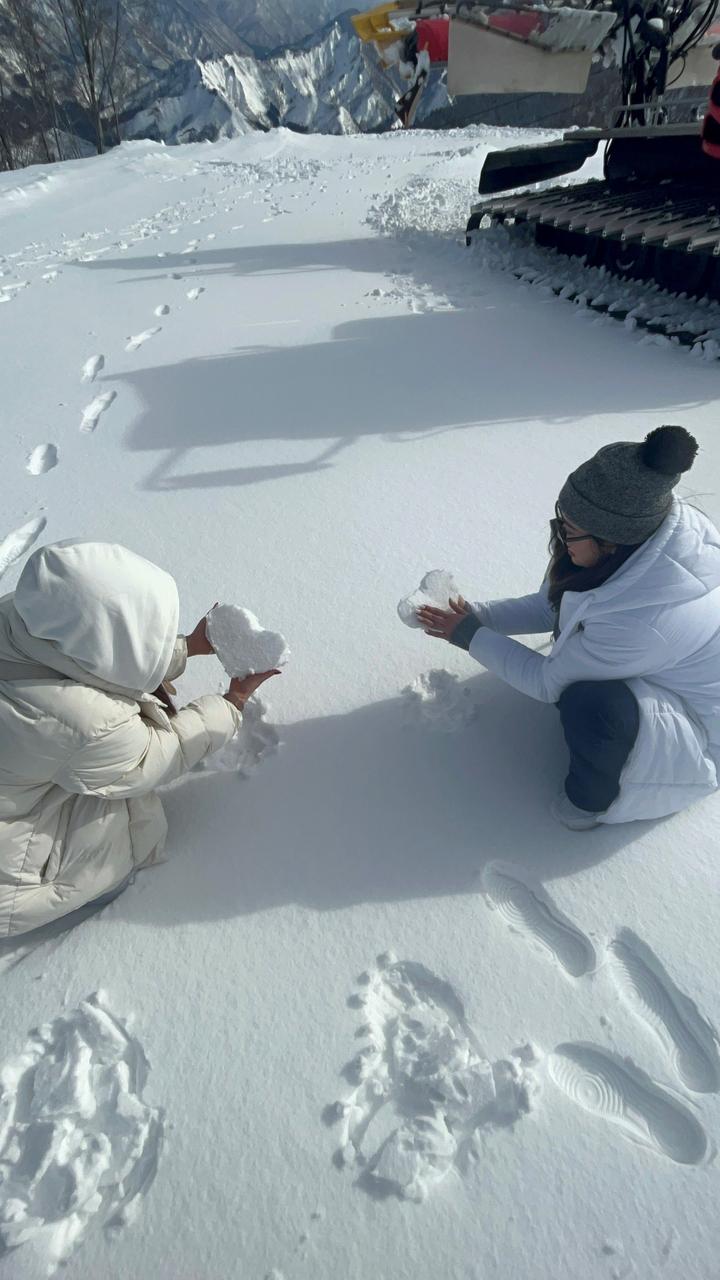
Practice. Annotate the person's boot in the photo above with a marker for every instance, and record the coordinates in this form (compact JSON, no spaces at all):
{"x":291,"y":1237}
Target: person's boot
{"x":563,"y":810}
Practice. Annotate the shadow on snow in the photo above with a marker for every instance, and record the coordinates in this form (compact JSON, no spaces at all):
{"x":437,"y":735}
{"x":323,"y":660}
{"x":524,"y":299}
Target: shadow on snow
{"x":398,"y":377}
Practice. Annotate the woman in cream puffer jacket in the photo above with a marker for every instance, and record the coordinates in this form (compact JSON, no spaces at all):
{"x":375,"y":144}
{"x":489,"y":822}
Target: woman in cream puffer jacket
{"x":89,"y":633}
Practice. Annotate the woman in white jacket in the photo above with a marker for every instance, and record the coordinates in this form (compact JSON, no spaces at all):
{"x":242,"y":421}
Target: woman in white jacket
{"x":632,"y":596}
{"x":87,"y":731}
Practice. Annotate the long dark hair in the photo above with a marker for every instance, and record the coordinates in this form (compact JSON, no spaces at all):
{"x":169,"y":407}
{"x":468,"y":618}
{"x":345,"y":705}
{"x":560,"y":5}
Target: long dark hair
{"x":564,"y":576}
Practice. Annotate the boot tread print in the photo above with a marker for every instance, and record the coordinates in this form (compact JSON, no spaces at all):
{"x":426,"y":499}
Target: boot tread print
{"x":427,"y":1095}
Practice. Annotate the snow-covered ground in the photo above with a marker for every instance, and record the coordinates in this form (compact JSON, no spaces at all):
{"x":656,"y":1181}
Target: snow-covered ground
{"x":377,"y":1017}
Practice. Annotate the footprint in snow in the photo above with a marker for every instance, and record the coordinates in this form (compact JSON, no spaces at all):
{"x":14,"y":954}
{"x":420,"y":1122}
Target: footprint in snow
{"x":94,"y":411}
{"x":688,"y":1038}
{"x":608,"y":1087}
{"x":530,"y":912}
{"x":92,"y":368}
{"x":139,"y":339}
{"x":194,"y":294}
{"x":621,"y":1094}
{"x":43,"y":458}
{"x":10,"y":291}
{"x":16,"y":544}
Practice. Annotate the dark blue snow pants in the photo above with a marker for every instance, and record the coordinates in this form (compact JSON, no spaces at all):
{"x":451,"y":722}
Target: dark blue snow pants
{"x":600,"y":720}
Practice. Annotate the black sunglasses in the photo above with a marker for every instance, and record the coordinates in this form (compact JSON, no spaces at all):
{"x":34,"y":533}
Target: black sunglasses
{"x":563,"y":536}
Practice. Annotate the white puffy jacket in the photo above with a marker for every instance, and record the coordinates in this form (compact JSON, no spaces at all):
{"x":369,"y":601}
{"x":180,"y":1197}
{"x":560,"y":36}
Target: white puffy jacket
{"x":89,"y":633}
{"x":655,"y":624}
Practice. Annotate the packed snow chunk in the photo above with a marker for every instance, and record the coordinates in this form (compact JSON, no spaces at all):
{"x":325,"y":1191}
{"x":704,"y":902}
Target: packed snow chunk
{"x":77,"y":1141}
{"x":415,"y":1157}
{"x":241,"y":644}
{"x":437,"y":588}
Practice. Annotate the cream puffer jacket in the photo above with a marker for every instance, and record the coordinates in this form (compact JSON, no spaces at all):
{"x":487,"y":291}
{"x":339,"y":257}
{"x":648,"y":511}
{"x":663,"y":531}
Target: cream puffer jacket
{"x":90,"y":631}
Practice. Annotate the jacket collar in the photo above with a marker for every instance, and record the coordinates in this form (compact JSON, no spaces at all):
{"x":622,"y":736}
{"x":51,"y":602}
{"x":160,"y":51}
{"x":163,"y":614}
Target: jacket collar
{"x":576,"y":604}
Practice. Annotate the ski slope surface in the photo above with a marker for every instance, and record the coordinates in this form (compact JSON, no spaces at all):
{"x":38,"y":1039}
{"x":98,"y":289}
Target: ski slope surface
{"x":377,"y":1017}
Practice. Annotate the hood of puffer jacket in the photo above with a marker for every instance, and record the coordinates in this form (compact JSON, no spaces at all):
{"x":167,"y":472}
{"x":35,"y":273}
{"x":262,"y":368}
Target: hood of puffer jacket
{"x":98,"y":613}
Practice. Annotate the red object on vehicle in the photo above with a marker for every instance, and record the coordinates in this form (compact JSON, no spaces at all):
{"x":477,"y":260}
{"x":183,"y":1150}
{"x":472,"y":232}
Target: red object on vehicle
{"x":520,"y":24}
{"x":711,"y":123}
{"x":432,"y":35}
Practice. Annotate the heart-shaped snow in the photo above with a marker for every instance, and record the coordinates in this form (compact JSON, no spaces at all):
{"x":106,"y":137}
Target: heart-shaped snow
{"x":437,"y":587}
{"x":241,"y":644}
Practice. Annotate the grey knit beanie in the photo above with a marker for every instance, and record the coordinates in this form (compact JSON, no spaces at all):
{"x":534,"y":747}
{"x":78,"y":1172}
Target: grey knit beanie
{"x":624,"y":492}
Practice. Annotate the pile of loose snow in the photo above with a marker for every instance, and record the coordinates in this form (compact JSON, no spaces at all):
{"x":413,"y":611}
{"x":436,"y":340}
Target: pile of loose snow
{"x":77,"y":1141}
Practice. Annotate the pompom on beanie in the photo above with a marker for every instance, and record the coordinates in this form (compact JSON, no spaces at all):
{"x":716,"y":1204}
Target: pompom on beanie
{"x":623,"y":493}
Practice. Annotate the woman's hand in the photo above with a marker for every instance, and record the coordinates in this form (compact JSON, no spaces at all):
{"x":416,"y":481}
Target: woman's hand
{"x":241,"y":690}
{"x":442,"y":622}
{"x":197,"y":641}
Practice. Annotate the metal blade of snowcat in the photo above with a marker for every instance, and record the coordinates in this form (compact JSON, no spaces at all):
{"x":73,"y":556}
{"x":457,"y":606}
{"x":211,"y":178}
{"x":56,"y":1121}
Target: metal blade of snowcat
{"x":521,"y":166}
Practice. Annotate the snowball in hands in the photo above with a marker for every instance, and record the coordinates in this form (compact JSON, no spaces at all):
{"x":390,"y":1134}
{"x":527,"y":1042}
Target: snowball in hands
{"x":241,"y":644}
{"x":437,"y":588}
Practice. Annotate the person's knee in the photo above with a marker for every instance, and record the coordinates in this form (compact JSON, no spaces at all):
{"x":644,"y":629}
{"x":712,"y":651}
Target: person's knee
{"x":583,"y":694}
{"x":588,"y":701}
{"x":588,"y":698}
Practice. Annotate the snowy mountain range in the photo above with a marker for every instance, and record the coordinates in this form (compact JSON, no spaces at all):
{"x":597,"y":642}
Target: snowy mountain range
{"x":161,"y":32}
{"x":270,"y":26}
{"x":217,"y":68}
{"x":325,"y":84}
